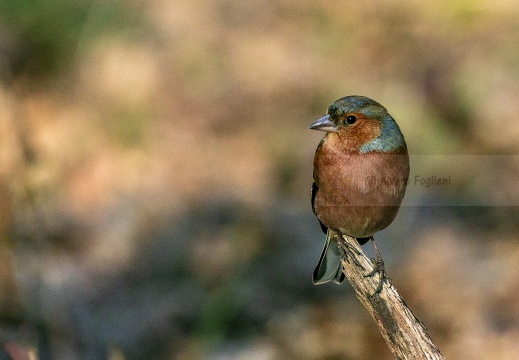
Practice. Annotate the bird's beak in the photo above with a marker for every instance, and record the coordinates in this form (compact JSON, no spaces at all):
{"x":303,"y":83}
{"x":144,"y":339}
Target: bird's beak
{"x":324,"y":124}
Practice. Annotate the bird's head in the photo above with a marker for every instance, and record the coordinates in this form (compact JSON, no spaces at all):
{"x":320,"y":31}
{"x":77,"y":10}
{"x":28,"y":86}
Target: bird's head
{"x":360,"y":124}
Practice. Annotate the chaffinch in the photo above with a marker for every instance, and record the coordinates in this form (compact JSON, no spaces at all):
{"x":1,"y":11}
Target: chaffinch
{"x":361,"y":167}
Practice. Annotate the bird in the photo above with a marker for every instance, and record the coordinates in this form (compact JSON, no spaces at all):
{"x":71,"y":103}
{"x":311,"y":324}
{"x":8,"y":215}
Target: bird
{"x":361,"y":170}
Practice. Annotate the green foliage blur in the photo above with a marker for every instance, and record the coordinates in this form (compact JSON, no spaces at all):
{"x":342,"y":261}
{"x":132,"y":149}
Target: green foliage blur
{"x":44,"y":36}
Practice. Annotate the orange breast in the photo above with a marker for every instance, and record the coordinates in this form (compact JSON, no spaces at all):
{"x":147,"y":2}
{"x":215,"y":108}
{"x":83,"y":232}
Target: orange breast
{"x":359,"y":194}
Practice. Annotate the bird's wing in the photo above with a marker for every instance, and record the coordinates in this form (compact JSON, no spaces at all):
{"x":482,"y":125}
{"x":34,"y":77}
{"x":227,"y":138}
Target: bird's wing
{"x":315,"y":188}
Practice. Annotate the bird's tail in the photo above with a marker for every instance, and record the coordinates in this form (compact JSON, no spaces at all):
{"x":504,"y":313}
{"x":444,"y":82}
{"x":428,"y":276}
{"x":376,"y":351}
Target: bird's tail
{"x":329,"y":267}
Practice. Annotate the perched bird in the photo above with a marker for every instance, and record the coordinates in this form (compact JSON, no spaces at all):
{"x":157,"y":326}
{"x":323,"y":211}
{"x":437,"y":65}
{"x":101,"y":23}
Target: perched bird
{"x":361,"y":167}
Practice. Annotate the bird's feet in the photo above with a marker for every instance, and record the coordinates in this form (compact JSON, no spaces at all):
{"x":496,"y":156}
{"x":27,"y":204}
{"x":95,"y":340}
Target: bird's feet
{"x":348,"y":251}
{"x":378,"y":268}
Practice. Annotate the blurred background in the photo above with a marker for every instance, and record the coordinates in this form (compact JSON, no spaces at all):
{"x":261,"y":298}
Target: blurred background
{"x":155,"y":171}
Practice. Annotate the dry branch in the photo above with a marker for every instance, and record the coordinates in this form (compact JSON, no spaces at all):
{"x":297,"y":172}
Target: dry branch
{"x":404,"y":333}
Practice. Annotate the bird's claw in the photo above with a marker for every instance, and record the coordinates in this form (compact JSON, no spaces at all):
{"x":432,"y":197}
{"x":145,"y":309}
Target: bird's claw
{"x":347,"y":251}
{"x":379,"y":269}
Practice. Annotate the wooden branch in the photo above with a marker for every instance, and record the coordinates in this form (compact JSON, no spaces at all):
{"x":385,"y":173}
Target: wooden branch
{"x":404,"y":333}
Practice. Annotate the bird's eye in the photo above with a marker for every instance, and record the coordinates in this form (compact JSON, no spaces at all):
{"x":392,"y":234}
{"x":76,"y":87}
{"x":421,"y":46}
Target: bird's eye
{"x":351,"y":119}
